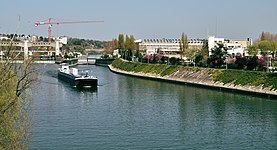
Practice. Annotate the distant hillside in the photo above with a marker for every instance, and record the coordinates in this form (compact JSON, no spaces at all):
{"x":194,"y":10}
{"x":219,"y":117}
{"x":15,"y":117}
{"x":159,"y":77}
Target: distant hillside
{"x":81,"y":45}
{"x":86,"y":43}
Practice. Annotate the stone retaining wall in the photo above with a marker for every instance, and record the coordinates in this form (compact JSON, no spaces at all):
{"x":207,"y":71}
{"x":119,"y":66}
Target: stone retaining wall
{"x":202,"y":78}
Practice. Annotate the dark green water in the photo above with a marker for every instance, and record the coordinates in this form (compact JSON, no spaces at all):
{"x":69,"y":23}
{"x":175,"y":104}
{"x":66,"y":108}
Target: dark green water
{"x":131,"y":113}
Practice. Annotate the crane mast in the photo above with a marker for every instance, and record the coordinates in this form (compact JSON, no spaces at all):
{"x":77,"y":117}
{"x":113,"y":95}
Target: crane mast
{"x":49,"y":31}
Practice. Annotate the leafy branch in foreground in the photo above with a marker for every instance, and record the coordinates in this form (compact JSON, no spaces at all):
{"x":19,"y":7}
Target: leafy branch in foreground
{"x":15,"y":78}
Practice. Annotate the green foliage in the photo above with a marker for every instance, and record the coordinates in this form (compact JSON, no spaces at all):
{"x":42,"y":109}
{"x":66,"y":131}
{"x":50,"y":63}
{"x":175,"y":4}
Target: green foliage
{"x":13,"y":120}
{"x":246,"y":78}
{"x":183,"y":44}
{"x":105,"y":56}
{"x":218,"y":56}
{"x":121,"y":42}
{"x":133,"y":46}
{"x":158,"y":69}
{"x":127,"y":42}
{"x":115,"y":42}
{"x":127,"y":47}
{"x":263,"y":36}
{"x":252,"y":63}
{"x":173,"y":61}
{"x":191,"y":53}
{"x":238,"y":77}
{"x":253,"y":50}
{"x":185,"y":41}
{"x":170,"y":70}
{"x":84,"y":43}
{"x":202,"y":55}
{"x":267,"y":46}
{"x":66,"y":56}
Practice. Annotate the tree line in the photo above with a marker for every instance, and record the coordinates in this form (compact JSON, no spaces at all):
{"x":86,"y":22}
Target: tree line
{"x":125,"y":45}
{"x":265,"y":48}
{"x":80,"y":45}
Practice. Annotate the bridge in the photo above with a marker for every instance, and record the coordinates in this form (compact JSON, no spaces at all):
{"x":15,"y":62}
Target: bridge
{"x":26,"y":44}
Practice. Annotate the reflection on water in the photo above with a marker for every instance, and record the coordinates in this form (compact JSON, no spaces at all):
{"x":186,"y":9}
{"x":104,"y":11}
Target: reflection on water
{"x":132,"y":113}
{"x":89,"y":89}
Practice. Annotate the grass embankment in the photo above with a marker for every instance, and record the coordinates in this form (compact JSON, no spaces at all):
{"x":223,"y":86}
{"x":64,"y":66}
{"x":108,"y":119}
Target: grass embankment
{"x":157,"y":69}
{"x":237,"y":77}
{"x":252,"y":78}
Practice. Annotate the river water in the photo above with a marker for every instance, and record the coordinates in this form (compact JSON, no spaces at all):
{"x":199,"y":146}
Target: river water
{"x":131,"y":113}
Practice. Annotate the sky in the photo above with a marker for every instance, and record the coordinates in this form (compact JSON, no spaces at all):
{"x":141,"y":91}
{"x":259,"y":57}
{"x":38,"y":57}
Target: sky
{"x":144,"y":19}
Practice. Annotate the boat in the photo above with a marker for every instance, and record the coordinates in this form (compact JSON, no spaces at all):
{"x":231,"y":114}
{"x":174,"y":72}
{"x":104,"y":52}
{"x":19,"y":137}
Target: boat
{"x":72,"y":76}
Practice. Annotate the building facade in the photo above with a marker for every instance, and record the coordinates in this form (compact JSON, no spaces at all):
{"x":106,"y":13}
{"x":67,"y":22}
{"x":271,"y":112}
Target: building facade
{"x":234,"y":47}
{"x":167,"y":47}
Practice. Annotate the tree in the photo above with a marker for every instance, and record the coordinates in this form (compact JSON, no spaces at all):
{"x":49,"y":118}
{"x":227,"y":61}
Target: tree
{"x":266,"y":36}
{"x":181,"y":48}
{"x":252,"y":50}
{"x":202,"y":55}
{"x":40,"y":39}
{"x":252,"y":63}
{"x":241,"y":62}
{"x":219,"y":54}
{"x":121,"y":44}
{"x":267,"y":47}
{"x":127,"y":42}
{"x":191,"y":53}
{"x":110,"y":46}
{"x":263,"y":36}
{"x":173,"y":61}
{"x":133,"y":45}
{"x":14,"y":80}
{"x":183,"y":44}
{"x":115,"y":42}
{"x":127,"y":47}
{"x":262,"y":63}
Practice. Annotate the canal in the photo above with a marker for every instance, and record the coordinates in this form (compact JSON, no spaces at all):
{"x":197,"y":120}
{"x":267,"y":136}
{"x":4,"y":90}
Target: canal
{"x":132,"y":113}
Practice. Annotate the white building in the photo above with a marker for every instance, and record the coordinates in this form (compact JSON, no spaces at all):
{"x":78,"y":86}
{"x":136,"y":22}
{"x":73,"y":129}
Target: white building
{"x":235,"y":47}
{"x":4,"y":38}
{"x":167,"y":47}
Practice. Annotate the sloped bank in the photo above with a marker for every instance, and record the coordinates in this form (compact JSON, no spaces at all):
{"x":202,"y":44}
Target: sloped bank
{"x":258,"y":83}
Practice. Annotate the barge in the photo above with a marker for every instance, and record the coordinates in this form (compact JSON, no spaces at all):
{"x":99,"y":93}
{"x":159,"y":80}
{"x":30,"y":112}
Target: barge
{"x":72,"y":76}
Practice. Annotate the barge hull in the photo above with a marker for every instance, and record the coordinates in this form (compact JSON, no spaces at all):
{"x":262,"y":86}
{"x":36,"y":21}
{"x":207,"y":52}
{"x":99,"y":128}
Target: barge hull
{"x":77,"y":81}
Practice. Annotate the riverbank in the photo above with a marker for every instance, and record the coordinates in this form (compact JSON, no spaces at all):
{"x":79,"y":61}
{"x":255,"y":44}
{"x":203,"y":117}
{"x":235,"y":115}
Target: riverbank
{"x":35,"y":61}
{"x":203,"y":77}
{"x":98,"y":62}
